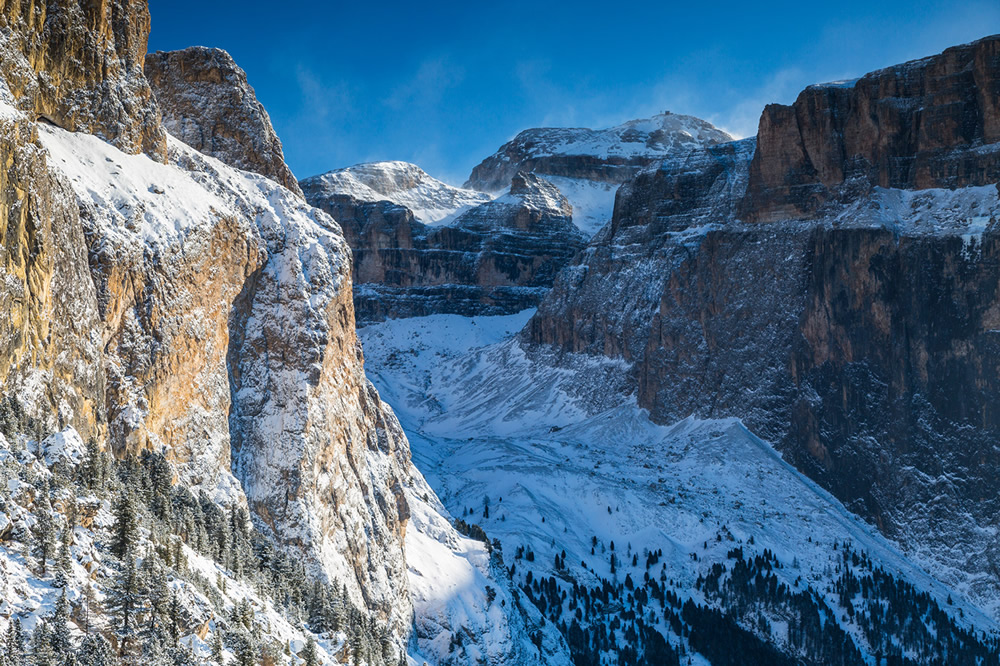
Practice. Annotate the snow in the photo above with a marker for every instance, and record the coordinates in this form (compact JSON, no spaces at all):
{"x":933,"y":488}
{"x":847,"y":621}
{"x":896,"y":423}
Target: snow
{"x":593,"y":201}
{"x":65,"y":446}
{"x":432,"y":202}
{"x":663,"y":134}
{"x":570,"y":446}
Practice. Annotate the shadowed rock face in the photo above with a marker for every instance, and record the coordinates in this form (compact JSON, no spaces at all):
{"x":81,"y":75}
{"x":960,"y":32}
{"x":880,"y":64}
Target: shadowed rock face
{"x":929,"y":123}
{"x":207,"y":103}
{"x":496,"y":258}
{"x":818,"y":289}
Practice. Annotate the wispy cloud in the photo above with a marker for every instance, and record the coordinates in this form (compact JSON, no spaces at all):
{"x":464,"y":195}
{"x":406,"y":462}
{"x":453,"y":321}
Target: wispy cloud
{"x":428,"y":85}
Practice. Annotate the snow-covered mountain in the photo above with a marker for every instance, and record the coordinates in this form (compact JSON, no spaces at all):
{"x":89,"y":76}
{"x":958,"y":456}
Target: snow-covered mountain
{"x":552,"y":456}
{"x":431,"y":201}
{"x":195,"y":321}
{"x":497,"y":256}
{"x":588,"y":165}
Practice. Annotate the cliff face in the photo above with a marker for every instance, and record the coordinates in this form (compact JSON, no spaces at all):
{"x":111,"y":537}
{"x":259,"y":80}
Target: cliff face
{"x":79,"y":66}
{"x":170,"y":302}
{"x":611,"y":155}
{"x":924,"y":124}
{"x":208,"y":104}
{"x":497,"y":257}
{"x":843,"y":305}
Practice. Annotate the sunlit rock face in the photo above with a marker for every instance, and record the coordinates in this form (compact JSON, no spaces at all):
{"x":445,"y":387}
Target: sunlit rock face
{"x":843,"y":303}
{"x":207,"y":103}
{"x":79,"y":66}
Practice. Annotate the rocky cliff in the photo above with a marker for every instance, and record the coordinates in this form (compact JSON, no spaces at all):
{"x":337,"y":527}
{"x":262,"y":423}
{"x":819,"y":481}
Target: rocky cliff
{"x":207,"y":103}
{"x":168,"y":301}
{"x":923,"y":124}
{"x":497,"y":257}
{"x":834,"y":288}
{"x":588,"y":165}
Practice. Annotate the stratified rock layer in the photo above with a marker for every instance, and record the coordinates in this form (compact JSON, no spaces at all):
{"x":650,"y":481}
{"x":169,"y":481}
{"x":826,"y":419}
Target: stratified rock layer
{"x":929,"y":123}
{"x":862,"y":339}
{"x":79,"y":66}
{"x":208,"y":104}
{"x":610,"y":155}
{"x":498,"y":257}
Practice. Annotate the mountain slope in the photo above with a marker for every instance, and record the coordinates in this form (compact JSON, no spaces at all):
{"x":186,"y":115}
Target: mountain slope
{"x":839,"y":301}
{"x":431,"y":201}
{"x":558,"y":463}
{"x":588,"y":165}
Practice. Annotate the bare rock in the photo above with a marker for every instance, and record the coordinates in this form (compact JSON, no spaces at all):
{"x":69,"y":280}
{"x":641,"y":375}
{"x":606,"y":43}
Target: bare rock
{"x":208,"y":104}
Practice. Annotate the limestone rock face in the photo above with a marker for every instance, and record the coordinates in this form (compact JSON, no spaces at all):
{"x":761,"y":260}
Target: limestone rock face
{"x":929,"y":123}
{"x":207,"y":103}
{"x":497,"y":257}
{"x":79,"y":65}
{"x":50,"y":345}
{"x":855,"y":329}
{"x":611,"y":155}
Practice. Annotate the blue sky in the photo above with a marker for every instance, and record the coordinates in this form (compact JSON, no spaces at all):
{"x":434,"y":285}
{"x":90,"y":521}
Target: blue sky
{"x":445,"y":84}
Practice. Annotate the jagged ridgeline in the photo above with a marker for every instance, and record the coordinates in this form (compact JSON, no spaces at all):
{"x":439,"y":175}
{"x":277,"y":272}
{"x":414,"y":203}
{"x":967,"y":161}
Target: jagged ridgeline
{"x":170,"y":299}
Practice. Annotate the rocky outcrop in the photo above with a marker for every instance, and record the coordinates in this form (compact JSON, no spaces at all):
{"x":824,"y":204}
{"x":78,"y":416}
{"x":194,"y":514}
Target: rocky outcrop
{"x":50,"y":358}
{"x":208,"y":104}
{"x":79,"y":66}
{"x":929,"y":123}
{"x":431,"y":201}
{"x":588,"y":165}
{"x":854,"y":328}
{"x":610,"y":155}
{"x":498,"y":257}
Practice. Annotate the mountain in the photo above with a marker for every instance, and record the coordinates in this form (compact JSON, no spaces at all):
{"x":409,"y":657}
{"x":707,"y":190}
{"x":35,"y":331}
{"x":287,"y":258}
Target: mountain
{"x":195,"y":320}
{"x":431,"y":201}
{"x":588,"y":165}
{"x":206,"y":102}
{"x":869,"y":211}
{"x":479,"y":256}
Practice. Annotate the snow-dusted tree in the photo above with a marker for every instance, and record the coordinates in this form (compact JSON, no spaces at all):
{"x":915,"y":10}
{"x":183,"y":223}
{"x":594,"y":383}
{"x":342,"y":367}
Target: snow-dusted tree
{"x":40,"y":646}
{"x":217,"y":655}
{"x":95,"y":650}
{"x":60,"y":637}
{"x":126,"y":601}
{"x":63,"y":564}
{"x":14,"y":644}
{"x":308,"y":654}
{"x":126,"y":529}
{"x":44,"y":532}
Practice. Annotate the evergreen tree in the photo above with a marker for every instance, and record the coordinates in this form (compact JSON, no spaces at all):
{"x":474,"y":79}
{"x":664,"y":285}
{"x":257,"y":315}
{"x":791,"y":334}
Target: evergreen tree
{"x":14,"y":644}
{"x":217,"y":656}
{"x":308,"y":654}
{"x":95,"y":650}
{"x":126,"y":528}
{"x":41,"y":647}
{"x":126,"y":603}
{"x":44,"y":532}
{"x":59,"y":634}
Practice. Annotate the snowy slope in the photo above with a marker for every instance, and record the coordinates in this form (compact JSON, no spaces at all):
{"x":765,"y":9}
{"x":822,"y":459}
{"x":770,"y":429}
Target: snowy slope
{"x":432,"y":201}
{"x":564,"y":457}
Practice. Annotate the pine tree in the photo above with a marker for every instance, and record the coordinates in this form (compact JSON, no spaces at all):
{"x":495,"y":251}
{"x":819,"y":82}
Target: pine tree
{"x":126,"y":602}
{"x":308,"y":654}
{"x":14,"y":644}
{"x":41,"y":646}
{"x":63,"y":565}
{"x":95,"y":650}
{"x":59,"y":636}
{"x":126,"y":529}
{"x":217,"y":656}
{"x":44,"y":532}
